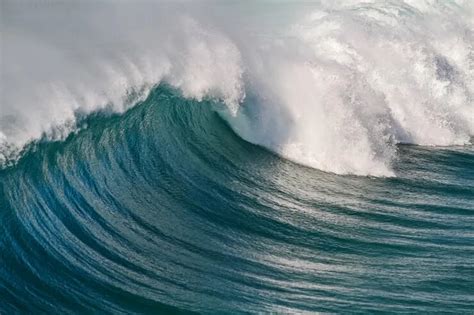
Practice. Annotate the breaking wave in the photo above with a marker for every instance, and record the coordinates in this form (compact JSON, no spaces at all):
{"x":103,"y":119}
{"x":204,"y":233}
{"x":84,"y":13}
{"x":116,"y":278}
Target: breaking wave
{"x":333,"y":86}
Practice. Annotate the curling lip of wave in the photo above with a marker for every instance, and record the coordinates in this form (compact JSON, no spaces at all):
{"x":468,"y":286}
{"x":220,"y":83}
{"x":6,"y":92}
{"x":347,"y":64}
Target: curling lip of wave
{"x":335,"y":89}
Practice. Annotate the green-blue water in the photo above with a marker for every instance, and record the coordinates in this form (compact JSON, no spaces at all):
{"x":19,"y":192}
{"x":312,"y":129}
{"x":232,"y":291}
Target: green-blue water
{"x":164,"y":209}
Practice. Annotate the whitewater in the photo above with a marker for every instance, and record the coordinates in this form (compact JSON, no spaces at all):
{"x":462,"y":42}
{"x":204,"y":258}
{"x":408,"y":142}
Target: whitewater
{"x":331,"y":85}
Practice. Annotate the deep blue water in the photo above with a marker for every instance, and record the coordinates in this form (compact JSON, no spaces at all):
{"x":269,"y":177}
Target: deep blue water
{"x":164,"y":209}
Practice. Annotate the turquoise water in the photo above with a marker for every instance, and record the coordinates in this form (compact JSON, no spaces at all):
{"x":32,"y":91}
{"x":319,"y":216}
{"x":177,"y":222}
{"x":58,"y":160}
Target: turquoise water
{"x":165,"y":209}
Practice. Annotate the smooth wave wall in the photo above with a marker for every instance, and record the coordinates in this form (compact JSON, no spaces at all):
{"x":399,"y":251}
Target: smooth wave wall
{"x":332,"y":85}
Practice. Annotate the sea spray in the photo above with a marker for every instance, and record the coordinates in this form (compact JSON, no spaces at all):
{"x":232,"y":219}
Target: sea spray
{"x":334,"y":86}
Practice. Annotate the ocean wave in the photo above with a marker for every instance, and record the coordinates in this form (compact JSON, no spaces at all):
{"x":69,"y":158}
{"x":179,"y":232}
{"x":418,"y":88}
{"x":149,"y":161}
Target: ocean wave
{"x":335,"y":89}
{"x":178,"y":157}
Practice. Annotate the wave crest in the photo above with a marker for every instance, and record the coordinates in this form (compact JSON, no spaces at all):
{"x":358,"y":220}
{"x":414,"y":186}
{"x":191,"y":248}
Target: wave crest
{"x":335,"y":89}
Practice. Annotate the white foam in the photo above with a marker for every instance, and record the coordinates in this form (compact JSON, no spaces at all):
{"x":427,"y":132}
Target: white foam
{"x":355,"y":80}
{"x":333,"y":85}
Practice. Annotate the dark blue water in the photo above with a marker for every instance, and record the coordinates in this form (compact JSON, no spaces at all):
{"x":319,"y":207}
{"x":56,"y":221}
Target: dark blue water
{"x":164,"y":209}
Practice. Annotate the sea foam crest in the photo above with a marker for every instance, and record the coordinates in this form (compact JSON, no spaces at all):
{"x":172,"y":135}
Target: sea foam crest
{"x":335,"y":86}
{"x":348,"y":84}
{"x":199,"y":62}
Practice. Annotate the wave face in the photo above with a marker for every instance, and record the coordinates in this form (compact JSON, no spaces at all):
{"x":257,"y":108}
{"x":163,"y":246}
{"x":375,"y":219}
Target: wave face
{"x":228,"y":158}
{"x":165,"y":209}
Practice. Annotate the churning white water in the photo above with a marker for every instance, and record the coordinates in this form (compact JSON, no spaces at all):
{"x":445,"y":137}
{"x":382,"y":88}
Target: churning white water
{"x":334,"y":85}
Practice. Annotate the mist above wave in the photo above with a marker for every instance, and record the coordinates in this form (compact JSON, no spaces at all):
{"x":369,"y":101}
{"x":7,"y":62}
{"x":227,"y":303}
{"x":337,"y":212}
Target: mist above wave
{"x":331,"y":85}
